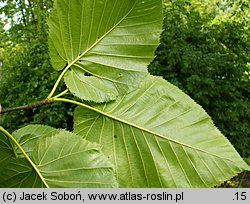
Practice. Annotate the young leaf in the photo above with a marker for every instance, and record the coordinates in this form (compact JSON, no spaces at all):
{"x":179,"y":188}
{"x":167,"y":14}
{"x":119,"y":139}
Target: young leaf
{"x":157,"y":136}
{"x":62,"y":160}
{"x":113,"y":41}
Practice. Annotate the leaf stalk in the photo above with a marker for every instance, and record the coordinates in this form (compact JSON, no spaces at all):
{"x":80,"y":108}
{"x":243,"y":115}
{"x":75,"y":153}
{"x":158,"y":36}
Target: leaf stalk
{"x":58,"y":81}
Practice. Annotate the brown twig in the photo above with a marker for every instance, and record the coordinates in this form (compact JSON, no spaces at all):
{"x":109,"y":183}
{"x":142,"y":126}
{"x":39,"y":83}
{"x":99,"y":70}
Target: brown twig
{"x":25,"y":107}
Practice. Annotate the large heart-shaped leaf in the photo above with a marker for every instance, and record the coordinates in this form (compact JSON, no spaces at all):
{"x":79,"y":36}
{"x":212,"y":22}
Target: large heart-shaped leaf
{"x":157,"y":136}
{"x":61,"y":160}
{"x":112,"y":40}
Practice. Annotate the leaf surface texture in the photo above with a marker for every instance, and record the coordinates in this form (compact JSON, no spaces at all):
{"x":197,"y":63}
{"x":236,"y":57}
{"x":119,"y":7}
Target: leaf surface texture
{"x":112,"y":41}
{"x":158,"y":136}
{"x":63,"y":159}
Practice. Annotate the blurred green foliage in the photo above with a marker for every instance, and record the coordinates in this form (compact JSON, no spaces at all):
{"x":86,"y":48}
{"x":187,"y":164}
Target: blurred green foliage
{"x":27,"y":74}
{"x":205,"y":51}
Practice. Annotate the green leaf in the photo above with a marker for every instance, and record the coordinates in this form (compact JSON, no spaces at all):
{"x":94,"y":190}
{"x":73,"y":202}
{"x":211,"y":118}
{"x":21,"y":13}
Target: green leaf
{"x":66,"y":160}
{"x":90,"y":87}
{"x":18,"y":173}
{"x":30,"y":135}
{"x":113,"y":41}
{"x":157,"y":136}
{"x":62,"y":160}
{"x":6,"y":149}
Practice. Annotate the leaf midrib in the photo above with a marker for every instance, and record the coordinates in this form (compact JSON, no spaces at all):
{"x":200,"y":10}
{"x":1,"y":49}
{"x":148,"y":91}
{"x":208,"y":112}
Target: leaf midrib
{"x":139,"y":127}
{"x":99,"y":40}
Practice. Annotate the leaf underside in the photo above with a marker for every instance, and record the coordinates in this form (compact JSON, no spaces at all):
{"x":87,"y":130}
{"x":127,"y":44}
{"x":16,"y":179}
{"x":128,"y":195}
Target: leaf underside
{"x":63,"y":159}
{"x":18,"y":173}
{"x":30,"y":135}
{"x":6,"y":149}
{"x":112,"y":41}
{"x":158,"y":136}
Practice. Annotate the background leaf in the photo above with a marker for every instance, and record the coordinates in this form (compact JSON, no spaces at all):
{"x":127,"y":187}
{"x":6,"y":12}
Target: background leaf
{"x":158,"y":136}
{"x":30,"y":135}
{"x":66,"y":160}
{"x":63,"y":160}
{"x":113,"y":41}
